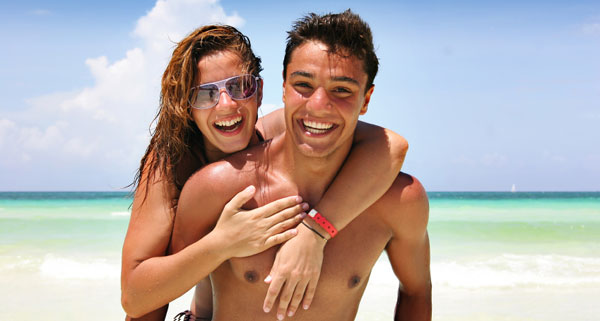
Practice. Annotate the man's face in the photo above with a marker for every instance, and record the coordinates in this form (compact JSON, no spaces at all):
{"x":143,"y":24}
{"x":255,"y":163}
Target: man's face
{"x":324,"y":94}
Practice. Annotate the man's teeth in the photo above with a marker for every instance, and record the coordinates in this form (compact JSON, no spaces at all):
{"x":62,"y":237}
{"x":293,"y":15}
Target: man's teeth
{"x":228,"y":123}
{"x":316,"y":127}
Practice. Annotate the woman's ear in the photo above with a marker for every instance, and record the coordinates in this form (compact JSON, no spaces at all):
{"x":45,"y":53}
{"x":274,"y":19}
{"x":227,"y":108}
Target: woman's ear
{"x":259,"y":93}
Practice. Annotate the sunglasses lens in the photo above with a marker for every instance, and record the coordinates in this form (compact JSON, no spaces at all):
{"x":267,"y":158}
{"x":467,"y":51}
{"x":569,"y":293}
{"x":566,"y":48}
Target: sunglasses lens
{"x":206,"y":96}
{"x":241,"y":87}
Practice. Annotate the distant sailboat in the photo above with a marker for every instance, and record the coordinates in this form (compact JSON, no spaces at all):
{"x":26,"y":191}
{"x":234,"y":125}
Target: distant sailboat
{"x":513,"y":188}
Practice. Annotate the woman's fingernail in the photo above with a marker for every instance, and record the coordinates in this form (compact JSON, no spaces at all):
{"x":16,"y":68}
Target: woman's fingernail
{"x":305,"y":206}
{"x":279,"y":316}
{"x":266,"y":309}
{"x":291,"y":314}
{"x":305,"y":307}
{"x":268,"y":279}
{"x":250,"y":188}
{"x":298,"y":199}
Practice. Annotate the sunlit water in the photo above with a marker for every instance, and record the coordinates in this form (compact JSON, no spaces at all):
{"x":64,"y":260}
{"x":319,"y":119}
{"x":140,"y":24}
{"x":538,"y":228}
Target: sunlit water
{"x":494,"y":256}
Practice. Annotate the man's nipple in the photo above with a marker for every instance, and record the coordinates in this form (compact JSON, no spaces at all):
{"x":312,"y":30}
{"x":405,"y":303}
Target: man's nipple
{"x":353,"y":281}
{"x":251,"y":276}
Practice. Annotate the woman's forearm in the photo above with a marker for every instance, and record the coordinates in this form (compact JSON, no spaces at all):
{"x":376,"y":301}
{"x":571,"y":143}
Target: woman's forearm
{"x":374,"y":162}
{"x":159,"y":280}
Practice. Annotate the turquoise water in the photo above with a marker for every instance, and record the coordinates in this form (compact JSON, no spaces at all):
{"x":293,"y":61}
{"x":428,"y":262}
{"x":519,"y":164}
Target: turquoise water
{"x":528,"y":223}
{"x":41,"y":222}
{"x":506,"y":244}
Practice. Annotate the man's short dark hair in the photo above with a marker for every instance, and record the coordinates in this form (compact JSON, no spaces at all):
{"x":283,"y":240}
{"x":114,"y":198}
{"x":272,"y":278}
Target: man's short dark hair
{"x":344,"y":33}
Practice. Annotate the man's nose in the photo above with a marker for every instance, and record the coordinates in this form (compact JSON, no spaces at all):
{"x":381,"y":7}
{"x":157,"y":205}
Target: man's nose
{"x":319,"y":100}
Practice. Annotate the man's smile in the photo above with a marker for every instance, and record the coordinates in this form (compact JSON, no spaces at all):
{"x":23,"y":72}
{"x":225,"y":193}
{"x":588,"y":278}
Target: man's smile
{"x":314,"y":127}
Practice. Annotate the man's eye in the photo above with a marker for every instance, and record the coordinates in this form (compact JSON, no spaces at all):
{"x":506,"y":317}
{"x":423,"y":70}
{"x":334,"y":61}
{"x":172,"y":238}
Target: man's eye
{"x":303,"y":85}
{"x":342,"y":90}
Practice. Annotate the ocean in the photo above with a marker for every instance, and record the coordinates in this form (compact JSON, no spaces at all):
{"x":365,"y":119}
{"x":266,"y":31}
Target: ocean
{"x":494,"y":256}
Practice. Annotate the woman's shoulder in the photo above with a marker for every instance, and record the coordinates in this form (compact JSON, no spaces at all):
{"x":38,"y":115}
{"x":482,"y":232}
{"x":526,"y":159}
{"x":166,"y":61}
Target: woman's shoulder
{"x":272,"y":124}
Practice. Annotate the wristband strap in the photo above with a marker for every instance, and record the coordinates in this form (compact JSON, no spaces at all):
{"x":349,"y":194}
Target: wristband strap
{"x":325,"y":224}
{"x":312,"y":229}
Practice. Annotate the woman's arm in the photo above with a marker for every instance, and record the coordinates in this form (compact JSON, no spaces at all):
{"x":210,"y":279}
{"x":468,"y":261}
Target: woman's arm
{"x":373,"y":164}
{"x":152,"y":215}
{"x":150,"y":280}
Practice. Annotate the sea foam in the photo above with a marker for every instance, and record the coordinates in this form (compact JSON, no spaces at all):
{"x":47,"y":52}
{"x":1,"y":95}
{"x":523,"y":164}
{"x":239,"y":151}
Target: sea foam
{"x":120,"y":214}
{"x":512,"y":270}
{"x":68,"y":268}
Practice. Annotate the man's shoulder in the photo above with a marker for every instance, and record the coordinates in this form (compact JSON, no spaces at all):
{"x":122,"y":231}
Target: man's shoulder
{"x":405,"y":203}
{"x":219,"y":176}
{"x":407,"y":190}
{"x":211,"y":175}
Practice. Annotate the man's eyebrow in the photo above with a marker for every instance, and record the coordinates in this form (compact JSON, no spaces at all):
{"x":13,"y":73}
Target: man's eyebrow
{"x":311,"y":76}
{"x":303,"y":74}
{"x":344,"y":78}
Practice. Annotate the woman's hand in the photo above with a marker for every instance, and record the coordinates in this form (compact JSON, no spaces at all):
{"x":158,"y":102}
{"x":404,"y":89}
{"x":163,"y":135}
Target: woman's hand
{"x":298,"y":267}
{"x":250,"y":232}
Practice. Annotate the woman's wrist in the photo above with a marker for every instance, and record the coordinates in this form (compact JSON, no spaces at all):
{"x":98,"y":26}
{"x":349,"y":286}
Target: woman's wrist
{"x":309,"y":231}
{"x":219,"y":245}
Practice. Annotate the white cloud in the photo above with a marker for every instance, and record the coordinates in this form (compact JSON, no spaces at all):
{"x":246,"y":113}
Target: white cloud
{"x":494,"y":160}
{"x":553,"y":157}
{"x":172,"y":20}
{"x":106,"y":125}
{"x":592,"y":28}
{"x":462,"y":160}
{"x":40,"y":12}
{"x":7,"y":129}
{"x":34,"y":139}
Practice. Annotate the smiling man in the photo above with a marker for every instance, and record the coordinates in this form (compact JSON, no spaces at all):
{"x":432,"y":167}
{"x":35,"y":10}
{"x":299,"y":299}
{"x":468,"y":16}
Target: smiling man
{"x":329,"y":68}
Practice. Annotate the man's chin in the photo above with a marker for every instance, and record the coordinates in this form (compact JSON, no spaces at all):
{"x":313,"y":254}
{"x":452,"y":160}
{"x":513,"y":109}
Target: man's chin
{"x":313,"y":151}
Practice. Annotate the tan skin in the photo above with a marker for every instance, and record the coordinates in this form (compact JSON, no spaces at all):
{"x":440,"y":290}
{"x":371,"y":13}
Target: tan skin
{"x":150,"y":279}
{"x":396,"y":222}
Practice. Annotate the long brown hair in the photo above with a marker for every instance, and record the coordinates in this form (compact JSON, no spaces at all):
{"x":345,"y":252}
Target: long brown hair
{"x":176,"y":133}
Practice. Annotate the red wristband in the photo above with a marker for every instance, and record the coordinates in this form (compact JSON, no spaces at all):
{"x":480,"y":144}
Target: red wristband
{"x":325,"y":224}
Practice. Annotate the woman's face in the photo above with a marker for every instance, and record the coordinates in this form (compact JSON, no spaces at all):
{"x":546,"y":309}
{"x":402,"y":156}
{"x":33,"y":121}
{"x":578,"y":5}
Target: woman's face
{"x":227,"y":127}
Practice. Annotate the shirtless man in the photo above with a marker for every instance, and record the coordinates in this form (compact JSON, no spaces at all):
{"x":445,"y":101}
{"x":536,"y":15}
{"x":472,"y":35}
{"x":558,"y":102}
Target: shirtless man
{"x":329,"y":69}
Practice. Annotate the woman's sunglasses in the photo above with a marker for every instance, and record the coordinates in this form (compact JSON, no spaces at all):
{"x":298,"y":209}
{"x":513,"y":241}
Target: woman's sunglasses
{"x":240,"y":87}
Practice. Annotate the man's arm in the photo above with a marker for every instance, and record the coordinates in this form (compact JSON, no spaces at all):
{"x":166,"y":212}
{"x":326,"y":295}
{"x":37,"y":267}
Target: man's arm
{"x":406,"y":211}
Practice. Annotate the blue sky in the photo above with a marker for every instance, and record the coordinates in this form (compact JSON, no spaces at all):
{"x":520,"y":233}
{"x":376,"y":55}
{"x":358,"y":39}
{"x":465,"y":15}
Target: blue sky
{"x":489,"y":94}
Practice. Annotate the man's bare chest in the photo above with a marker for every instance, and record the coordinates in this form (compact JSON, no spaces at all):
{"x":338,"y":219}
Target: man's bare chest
{"x":348,"y":258}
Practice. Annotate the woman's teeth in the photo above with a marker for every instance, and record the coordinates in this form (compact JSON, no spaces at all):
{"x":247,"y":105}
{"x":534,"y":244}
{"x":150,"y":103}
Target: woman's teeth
{"x":229,"y":124}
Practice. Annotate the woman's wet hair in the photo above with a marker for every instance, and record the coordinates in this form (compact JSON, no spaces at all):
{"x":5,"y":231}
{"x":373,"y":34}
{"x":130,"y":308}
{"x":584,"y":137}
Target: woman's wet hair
{"x":175,"y":131}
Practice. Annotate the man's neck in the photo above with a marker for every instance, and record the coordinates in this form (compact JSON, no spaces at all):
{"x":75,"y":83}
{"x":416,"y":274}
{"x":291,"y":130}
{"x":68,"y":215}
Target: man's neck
{"x":311,"y":175}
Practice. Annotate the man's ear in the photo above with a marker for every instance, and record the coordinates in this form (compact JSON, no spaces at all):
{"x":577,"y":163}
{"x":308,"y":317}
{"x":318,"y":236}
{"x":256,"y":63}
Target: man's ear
{"x":259,"y":93}
{"x":283,"y":92}
{"x":365,"y":106}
